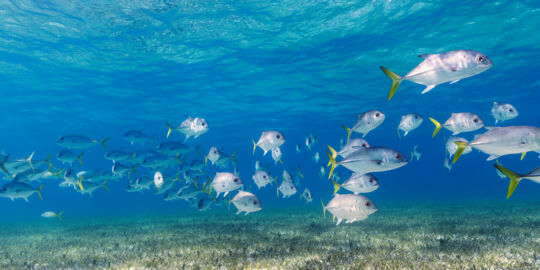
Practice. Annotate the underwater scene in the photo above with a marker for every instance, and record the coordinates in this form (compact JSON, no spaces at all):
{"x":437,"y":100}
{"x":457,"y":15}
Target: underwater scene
{"x":269,"y":134}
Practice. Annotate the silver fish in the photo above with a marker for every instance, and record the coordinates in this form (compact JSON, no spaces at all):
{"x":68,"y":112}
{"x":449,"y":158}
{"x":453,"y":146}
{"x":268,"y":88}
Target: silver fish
{"x":358,"y":183}
{"x":17,"y":190}
{"x":246,"y":202}
{"x":268,"y":141}
{"x":191,"y":127}
{"x":352,"y":146}
{"x":409,"y":122}
{"x":373,"y":159}
{"x":79,"y":142}
{"x":440,"y":68}
{"x":262,"y":178}
{"x":276,"y":155}
{"x":51,"y":214}
{"x":69,"y":157}
{"x":136,"y":136}
{"x":503,"y":111}
{"x":458,"y":123}
{"x":225,"y":182}
{"x":366,"y":122}
{"x":350,"y":207}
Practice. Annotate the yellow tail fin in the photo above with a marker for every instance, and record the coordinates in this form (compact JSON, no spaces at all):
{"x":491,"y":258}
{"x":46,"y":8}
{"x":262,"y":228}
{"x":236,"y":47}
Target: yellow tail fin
{"x":254,"y":145}
{"x":336,"y":186}
{"x":79,"y":158}
{"x":29,"y":160}
{"x":59,"y":215}
{"x":2,"y":165}
{"x":104,"y":143}
{"x":396,"y":81}
{"x":104,"y":185}
{"x":38,"y":191}
{"x":459,"y":151}
{"x":514,"y":179}
{"x":438,"y":126}
{"x":349,"y":131}
{"x":169,"y":129}
{"x":332,"y":160}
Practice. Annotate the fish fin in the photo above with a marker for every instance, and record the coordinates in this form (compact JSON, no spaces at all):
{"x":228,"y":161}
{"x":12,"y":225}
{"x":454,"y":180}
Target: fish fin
{"x":79,"y":158}
{"x":324,"y":209}
{"x":349,"y":131}
{"x":490,"y":128}
{"x":169,"y":129}
{"x":492,"y":157}
{"x":225,"y":194}
{"x":438,"y":126}
{"x":336,"y":186}
{"x":265,"y":151}
{"x":523,"y":155}
{"x":48,"y":161}
{"x":133,"y":168}
{"x":365,"y":134}
{"x":332,"y":160}
{"x":80,"y":183}
{"x":396,"y":81}
{"x":59,"y":215}
{"x":514,"y":178}
{"x":233,"y":156}
{"x":29,"y":160}
{"x":398,"y":133}
{"x":205,"y":160}
{"x":428,"y":88}
{"x":425,"y":55}
{"x":405,"y":134}
{"x":26,"y":199}
{"x":254,"y":145}
{"x":455,"y":133}
{"x":238,"y":212}
{"x":104,"y":143}
{"x":339,"y":220}
{"x":104,"y":185}
{"x":2,"y":165}
{"x":496,"y":121}
{"x":459,"y":151}
{"x":38,"y":191}
{"x":452,"y":82}
{"x":280,"y":161}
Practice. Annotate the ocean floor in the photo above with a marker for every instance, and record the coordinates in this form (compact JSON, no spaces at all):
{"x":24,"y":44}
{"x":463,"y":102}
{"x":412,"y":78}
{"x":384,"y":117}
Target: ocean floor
{"x":479,"y":236}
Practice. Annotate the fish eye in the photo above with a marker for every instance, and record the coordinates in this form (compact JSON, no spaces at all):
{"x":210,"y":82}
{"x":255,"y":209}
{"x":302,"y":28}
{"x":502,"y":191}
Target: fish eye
{"x":398,"y":156}
{"x":278,"y":136}
{"x":511,"y":110}
{"x":368,"y":204}
{"x":371,"y":180}
{"x":264,"y":176}
{"x":235,"y":180}
{"x":377,"y":114}
{"x":255,"y":202}
{"x":364,"y":145}
{"x":475,"y":120}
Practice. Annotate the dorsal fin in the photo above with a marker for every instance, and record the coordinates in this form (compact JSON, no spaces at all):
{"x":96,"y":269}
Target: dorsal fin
{"x":426,"y":55}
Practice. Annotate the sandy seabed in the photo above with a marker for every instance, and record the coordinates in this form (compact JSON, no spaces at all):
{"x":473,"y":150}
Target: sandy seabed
{"x":479,"y":236}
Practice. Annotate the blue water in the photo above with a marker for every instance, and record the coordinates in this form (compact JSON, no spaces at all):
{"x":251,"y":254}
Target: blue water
{"x":300,"y":67}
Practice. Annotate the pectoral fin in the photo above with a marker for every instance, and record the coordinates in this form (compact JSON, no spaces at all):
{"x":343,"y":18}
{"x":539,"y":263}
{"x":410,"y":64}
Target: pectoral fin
{"x":428,"y":88}
{"x":452,"y":82}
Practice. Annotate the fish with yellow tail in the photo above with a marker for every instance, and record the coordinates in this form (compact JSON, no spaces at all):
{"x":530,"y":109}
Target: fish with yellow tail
{"x":500,"y":141}
{"x":349,"y":207}
{"x":268,"y":141}
{"x":458,"y":123}
{"x":515,"y":178}
{"x":440,"y":68}
{"x":191,"y":127}
{"x":367,"y":160}
{"x":51,"y":214}
{"x":366,"y":122}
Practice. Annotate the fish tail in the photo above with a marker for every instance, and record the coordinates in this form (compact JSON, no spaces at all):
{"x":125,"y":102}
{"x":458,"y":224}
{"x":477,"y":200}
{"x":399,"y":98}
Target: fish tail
{"x":133,"y":167}
{"x":324,"y":209}
{"x":29,"y":160}
{"x":233,"y":156}
{"x":205,"y":160}
{"x":514,"y":178}
{"x":104,"y":143}
{"x":396,"y":81}
{"x":152,"y":138}
{"x":336,"y":186}
{"x":349,"y":131}
{"x":2,"y":165}
{"x":459,"y":151}
{"x":332,"y":160}
{"x":281,"y":161}
{"x":169,"y":129}
{"x":254,"y":145}
{"x":38,"y":191}
{"x":48,"y":161}
{"x":80,"y":183}
{"x":59,"y":215}
{"x":438,"y":126}
{"x":299,"y":172}
{"x":104,"y":185}
{"x":79,"y":158}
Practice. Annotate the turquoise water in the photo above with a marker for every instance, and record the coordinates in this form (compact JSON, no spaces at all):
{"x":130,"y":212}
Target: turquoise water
{"x":300,"y":67}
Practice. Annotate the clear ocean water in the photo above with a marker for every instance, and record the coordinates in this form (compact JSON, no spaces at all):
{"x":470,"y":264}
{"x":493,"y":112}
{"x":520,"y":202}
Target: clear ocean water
{"x":101,"y":68}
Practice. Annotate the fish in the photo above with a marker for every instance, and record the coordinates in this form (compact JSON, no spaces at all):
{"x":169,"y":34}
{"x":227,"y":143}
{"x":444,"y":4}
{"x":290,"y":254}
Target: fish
{"x":358,"y":183}
{"x":225,"y":182}
{"x":13,"y":167}
{"x":322,"y":171}
{"x":286,"y":176}
{"x":268,"y":141}
{"x":311,"y":140}
{"x":503,"y":112}
{"x":373,"y":159}
{"x":262,"y":178}
{"x":353,"y":146}
{"x":366,"y":122}
{"x":168,"y":184}
{"x":259,"y":166}
{"x":121,"y":170}
{"x":80,"y":142}
{"x":92,"y":175}
{"x":458,"y":123}
{"x":501,"y":141}
{"x":452,"y":147}
{"x":72,"y":180}
{"x":51,"y":214}
{"x":17,"y":190}
{"x":408,"y":123}
{"x":196,"y":165}
{"x":316,"y":157}
{"x":140,"y":183}
{"x":189,"y":177}
{"x":515,"y":178}
{"x":451,"y":66}
{"x":287,"y":188}
{"x":159,"y":161}
{"x":276,"y":155}
{"x":118,"y":156}
{"x":349,"y":207}
{"x":36,"y":174}
{"x":447,"y":164}
{"x":158,"y":180}
{"x":220,"y":158}
{"x":188,"y":192}
{"x":173,"y":148}
{"x":246,"y":202}
{"x":416,"y":153}
{"x":69,"y":157}
{"x":306,"y":195}
{"x":204,"y":204}
{"x":136,"y":136}
{"x":90,"y":187}
{"x":140,"y":156}
{"x":191,"y":127}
